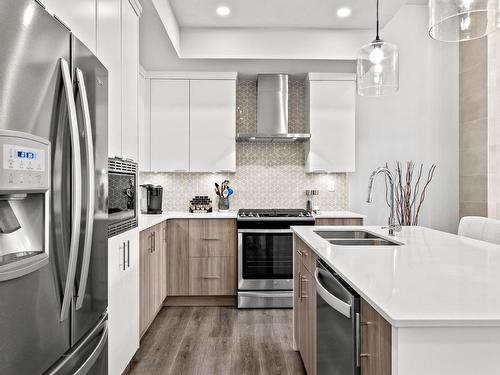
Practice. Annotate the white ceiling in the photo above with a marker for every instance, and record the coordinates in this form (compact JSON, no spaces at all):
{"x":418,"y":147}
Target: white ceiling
{"x":301,"y":14}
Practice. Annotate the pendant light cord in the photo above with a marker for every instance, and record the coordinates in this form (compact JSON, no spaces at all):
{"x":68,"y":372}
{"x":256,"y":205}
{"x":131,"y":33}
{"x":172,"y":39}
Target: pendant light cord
{"x":377,"y":38}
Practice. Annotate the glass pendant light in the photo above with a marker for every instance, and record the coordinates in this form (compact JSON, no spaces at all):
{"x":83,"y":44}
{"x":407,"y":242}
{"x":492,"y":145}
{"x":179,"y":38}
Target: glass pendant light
{"x":378,"y":67}
{"x":460,"y":20}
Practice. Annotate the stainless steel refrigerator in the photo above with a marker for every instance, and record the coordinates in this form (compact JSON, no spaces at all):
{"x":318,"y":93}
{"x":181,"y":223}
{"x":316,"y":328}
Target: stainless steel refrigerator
{"x":53,"y":197}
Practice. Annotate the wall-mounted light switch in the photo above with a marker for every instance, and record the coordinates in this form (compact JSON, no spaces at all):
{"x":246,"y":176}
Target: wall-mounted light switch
{"x":331,"y":186}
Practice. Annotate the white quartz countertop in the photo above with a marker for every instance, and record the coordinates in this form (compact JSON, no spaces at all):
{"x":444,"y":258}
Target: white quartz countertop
{"x":339,"y":215}
{"x":434,"y":279}
{"x":148,"y":220}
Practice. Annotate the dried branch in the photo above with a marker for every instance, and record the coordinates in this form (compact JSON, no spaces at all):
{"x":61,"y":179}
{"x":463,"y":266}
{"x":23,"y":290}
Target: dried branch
{"x":409,"y":196}
{"x":430,"y":175}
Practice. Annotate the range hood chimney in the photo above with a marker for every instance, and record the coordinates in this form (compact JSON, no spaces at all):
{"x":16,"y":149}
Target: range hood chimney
{"x":272,"y":112}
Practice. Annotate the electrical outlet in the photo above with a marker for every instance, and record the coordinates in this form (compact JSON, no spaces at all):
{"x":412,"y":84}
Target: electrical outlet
{"x":331,"y":186}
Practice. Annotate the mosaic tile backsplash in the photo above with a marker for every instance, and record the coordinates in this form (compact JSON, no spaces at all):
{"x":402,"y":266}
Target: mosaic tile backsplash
{"x":267,"y":175}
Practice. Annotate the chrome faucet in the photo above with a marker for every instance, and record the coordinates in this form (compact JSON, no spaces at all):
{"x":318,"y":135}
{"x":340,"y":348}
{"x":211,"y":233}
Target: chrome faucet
{"x":393,"y":227}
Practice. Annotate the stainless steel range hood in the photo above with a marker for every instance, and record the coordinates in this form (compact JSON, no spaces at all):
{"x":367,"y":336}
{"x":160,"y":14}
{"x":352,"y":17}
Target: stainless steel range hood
{"x":272,"y":112}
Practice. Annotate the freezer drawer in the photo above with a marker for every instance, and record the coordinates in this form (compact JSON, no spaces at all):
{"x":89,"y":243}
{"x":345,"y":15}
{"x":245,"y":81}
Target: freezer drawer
{"x":88,"y":356}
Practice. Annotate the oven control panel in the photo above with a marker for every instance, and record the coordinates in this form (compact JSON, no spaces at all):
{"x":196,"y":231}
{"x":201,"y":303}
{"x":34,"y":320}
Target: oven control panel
{"x":25,"y":162}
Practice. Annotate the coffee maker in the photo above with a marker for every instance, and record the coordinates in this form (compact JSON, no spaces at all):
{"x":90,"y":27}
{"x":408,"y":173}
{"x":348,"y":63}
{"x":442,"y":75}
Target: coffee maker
{"x":151,"y":199}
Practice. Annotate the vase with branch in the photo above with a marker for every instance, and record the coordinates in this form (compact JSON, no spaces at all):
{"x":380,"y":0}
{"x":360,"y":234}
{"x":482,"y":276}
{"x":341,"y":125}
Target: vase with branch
{"x":411,"y":184}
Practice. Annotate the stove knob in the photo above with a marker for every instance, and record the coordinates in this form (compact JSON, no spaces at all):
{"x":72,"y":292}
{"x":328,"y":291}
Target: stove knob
{"x":242,"y":214}
{"x":301,"y":214}
{"x":250,"y":214}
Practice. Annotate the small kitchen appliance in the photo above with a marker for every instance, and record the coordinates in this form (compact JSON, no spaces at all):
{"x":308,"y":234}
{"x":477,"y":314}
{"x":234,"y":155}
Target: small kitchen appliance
{"x":122,"y":204}
{"x":265,"y":256}
{"x":151,"y":199}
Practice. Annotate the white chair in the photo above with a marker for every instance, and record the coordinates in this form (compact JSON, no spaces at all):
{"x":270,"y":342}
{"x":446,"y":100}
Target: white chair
{"x":480,"y":228}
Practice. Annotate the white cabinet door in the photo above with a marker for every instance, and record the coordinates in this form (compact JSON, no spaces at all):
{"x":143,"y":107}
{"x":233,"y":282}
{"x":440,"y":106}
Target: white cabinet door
{"x":169,"y":125}
{"x":144,"y":135}
{"x":331,"y":119}
{"x":123,"y":300}
{"x":109,"y":52}
{"x":79,"y":16}
{"x":212,"y":125}
{"x":130,"y":67}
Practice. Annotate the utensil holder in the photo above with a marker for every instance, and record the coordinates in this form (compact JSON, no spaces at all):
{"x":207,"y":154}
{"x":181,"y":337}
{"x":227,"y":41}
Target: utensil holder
{"x":223,"y":204}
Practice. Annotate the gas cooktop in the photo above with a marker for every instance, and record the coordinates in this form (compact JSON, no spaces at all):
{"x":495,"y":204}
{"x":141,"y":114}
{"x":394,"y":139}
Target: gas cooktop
{"x":273,"y":213}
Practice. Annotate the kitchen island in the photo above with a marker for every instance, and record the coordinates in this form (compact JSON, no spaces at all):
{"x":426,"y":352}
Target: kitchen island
{"x":439,"y":292}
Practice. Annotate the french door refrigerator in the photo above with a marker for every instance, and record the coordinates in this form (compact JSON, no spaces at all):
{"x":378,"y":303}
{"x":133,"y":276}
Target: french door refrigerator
{"x":53,"y":197}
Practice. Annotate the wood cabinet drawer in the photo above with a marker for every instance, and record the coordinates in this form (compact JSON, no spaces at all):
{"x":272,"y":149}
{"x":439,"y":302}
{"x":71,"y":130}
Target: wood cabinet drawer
{"x":305,"y":254}
{"x":212,"y":237}
{"x":352,"y":221}
{"x":211,"y":276}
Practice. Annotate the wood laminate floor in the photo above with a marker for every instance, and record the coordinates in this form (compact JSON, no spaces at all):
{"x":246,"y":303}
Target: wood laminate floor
{"x":218,"y":340}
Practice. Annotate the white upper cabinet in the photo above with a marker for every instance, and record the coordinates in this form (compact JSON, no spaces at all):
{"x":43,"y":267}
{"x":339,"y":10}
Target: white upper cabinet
{"x":130,"y":67}
{"x":330,"y":118}
{"x":212,"y":125}
{"x":143,"y":127}
{"x":169,"y":139}
{"x":79,"y":16}
{"x":109,"y":52}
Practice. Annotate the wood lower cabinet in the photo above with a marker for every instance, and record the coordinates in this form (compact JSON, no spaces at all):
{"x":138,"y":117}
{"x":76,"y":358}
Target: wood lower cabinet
{"x":304,"y":304}
{"x":163,"y":262}
{"x":177,"y":257}
{"x":186,"y":258}
{"x":151,"y":274}
{"x":376,"y":342}
{"x":352,"y":221}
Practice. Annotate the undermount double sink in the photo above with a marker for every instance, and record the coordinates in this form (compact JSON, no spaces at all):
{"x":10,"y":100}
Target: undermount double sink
{"x":354,"y":238}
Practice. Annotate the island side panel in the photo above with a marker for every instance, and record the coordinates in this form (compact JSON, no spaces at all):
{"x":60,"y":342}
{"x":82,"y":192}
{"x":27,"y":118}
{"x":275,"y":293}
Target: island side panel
{"x":447,"y":351}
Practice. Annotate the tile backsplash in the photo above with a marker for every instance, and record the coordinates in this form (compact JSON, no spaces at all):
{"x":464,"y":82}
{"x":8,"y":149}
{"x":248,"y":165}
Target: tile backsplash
{"x":267,"y":175}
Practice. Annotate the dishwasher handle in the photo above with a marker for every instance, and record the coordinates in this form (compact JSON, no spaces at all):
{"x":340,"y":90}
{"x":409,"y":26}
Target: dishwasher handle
{"x":334,"y":302}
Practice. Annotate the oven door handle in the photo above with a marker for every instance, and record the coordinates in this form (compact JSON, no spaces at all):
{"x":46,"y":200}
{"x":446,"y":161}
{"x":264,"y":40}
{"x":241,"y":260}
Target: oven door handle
{"x":265,"y":231}
{"x":266,"y":295}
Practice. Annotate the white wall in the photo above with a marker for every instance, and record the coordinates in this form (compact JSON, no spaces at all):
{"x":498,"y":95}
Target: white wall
{"x":419,"y":123}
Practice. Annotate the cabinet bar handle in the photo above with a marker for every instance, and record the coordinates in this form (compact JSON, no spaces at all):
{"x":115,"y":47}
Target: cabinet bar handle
{"x":211,"y":239}
{"x":300,"y":287}
{"x":128,"y":253}
{"x":299,"y":252}
{"x":124,"y":260}
{"x":303,"y":279}
{"x":154,"y":241}
{"x":210,"y":277}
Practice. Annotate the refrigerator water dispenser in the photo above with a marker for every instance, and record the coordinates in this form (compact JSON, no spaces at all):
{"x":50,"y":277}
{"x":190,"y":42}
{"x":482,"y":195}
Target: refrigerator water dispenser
{"x":24,"y":203}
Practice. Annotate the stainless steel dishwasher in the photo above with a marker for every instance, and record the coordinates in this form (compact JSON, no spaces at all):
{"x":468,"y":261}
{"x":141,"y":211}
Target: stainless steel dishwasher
{"x":338,"y":334}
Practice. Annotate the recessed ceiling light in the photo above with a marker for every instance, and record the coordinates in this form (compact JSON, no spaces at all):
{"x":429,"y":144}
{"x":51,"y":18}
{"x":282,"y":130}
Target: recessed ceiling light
{"x":343,"y":12}
{"x":223,"y":11}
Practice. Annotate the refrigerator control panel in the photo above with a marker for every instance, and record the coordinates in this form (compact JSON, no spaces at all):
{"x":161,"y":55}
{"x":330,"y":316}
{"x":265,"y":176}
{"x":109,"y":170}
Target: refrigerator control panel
{"x":25,"y":160}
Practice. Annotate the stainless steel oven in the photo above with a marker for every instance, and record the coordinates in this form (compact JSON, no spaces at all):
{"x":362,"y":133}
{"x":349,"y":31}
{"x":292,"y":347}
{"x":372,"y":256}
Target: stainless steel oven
{"x":122,"y":196}
{"x":265,"y":257}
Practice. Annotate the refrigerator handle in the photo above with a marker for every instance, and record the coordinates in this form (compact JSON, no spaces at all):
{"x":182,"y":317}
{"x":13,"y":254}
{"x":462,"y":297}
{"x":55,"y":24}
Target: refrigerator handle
{"x":76,"y":193}
{"x":89,"y":151}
